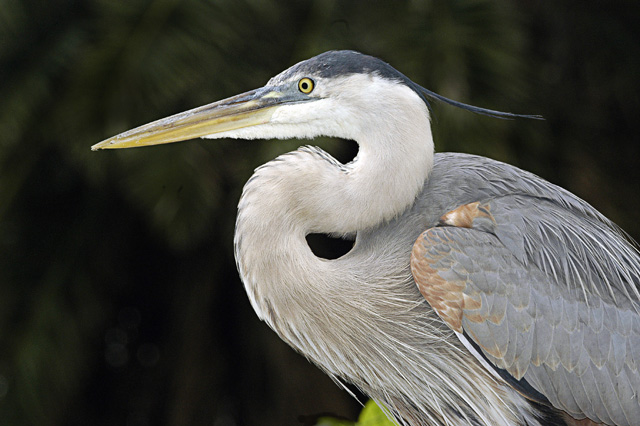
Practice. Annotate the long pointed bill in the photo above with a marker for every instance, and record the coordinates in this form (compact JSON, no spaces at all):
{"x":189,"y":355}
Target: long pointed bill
{"x":248,"y":109}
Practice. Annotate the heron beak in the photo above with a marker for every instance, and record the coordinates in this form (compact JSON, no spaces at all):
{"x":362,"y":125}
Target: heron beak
{"x":244,"y":110}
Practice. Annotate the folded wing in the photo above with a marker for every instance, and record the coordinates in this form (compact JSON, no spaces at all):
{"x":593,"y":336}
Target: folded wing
{"x":546,"y":295}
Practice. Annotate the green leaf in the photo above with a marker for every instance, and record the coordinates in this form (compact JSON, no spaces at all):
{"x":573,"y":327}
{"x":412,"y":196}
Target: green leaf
{"x":372,"y":415}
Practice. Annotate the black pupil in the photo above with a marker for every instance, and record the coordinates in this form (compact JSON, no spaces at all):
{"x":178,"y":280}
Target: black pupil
{"x":305,"y":85}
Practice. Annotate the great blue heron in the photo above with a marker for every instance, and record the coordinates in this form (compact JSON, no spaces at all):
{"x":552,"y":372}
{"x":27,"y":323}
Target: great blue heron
{"x":475,"y":293}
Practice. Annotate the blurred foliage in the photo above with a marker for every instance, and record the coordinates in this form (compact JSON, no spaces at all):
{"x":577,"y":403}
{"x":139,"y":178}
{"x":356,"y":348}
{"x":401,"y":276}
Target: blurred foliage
{"x":119,"y":299}
{"x":371,"y":415}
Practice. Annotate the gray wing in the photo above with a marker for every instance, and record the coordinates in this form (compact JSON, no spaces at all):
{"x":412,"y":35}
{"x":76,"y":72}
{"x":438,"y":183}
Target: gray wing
{"x":547,"y":294}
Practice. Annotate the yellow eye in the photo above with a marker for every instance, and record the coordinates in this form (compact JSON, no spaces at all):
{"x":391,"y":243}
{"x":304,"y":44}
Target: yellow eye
{"x":305,"y":85}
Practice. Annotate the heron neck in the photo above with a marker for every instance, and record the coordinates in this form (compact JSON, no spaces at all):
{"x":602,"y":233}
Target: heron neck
{"x":307,"y":191}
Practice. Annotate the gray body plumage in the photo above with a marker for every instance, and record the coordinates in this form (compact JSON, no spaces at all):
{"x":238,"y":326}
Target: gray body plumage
{"x":559,"y":288}
{"x":376,"y":330}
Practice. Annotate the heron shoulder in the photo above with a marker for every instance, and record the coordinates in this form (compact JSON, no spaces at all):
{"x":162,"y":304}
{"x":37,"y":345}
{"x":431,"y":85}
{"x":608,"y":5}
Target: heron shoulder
{"x":465,"y":178}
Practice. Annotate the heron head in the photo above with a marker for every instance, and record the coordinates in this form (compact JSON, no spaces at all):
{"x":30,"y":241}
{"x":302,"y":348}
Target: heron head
{"x":337,"y":93}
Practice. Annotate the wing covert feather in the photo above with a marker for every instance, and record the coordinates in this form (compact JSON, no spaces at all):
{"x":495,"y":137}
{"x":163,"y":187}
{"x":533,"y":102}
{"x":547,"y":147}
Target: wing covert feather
{"x":538,"y":289}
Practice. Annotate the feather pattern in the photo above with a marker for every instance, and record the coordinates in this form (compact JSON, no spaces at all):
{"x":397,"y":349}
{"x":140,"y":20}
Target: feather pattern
{"x":555,"y":282}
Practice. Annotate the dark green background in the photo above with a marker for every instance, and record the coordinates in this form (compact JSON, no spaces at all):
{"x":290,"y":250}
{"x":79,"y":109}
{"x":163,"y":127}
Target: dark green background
{"x":119,"y":299}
